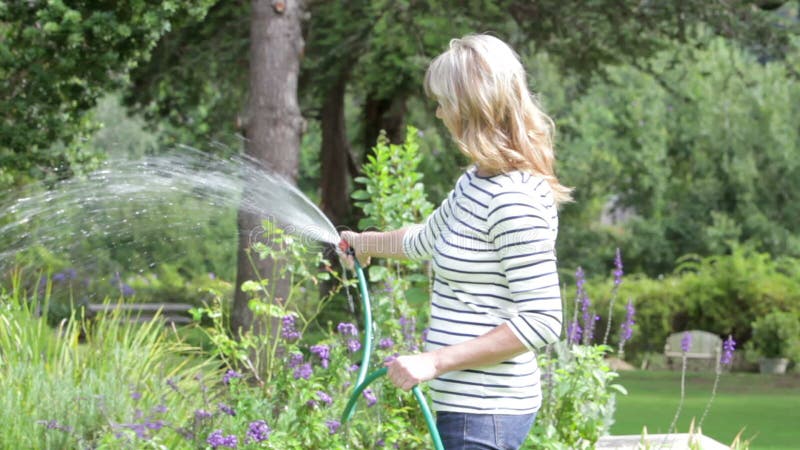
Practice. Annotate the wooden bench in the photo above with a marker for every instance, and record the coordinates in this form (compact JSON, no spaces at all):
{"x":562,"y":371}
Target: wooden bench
{"x":704,"y":351}
{"x":177,"y":313}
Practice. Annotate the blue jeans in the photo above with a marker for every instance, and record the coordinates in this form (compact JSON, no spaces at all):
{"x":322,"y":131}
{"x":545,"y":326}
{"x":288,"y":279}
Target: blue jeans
{"x":462,"y":431}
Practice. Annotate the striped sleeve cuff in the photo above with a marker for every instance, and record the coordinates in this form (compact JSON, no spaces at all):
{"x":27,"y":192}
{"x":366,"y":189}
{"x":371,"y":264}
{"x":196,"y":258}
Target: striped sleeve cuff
{"x":534,"y":334}
{"x":412,"y":247}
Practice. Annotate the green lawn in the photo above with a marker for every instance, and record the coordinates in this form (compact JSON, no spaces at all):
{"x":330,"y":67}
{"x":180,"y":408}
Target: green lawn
{"x":767,"y":407}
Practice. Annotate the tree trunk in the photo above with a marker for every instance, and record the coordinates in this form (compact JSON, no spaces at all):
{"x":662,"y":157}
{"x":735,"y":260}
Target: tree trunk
{"x":384,"y":114}
{"x":274,"y":128}
{"x":335,"y":154}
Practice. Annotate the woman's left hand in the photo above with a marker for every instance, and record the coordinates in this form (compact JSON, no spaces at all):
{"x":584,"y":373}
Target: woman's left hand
{"x":410,"y":370}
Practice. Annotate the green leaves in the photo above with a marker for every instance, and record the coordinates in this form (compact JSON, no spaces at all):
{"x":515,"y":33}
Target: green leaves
{"x":392,"y":195}
{"x":56,"y":60}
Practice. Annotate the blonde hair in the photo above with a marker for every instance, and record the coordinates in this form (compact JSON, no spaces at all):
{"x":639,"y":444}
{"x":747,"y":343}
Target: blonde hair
{"x":480,"y":85}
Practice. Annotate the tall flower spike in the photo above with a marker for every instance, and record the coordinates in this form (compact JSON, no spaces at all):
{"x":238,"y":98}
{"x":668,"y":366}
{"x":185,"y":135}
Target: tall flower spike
{"x":618,"y":268}
{"x":728,"y":348}
{"x":686,"y":342}
{"x":627,"y":326}
{"x":588,"y":319}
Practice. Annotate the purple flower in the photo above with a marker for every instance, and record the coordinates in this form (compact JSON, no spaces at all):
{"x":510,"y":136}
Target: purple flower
{"x":333,"y":425}
{"x":202,"y":414}
{"x":574,"y":332}
{"x":136,"y":396}
{"x":54,"y":425}
{"x":627,"y":326}
{"x":587,"y":316}
{"x":258,"y":431}
{"x":370,"y":396}
{"x":172,"y":384}
{"x":226,"y":409}
{"x":139,"y":429}
{"x":391,"y":358}
{"x":409,"y":326}
{"x":347,"y":329}
{"x":304,"y":371}
{"x":288,"y":331}
{"x":157,"y":425}
{"x":126,"y":290}
{"x":323,"y":352}
{"x":686,"y":342}
{"x":230,"y":375}
{"x":295,"y":360}
{"x":386,"y":343}
{"x":727,"y":351}
{"x":353,"y":345}
{"x":580,"y":280}
{"x":618,"y":268}
{"x":160,"y":409}
{"x":353,"y":368}
{"x":216,"y":439}
{"x":325,"y":398}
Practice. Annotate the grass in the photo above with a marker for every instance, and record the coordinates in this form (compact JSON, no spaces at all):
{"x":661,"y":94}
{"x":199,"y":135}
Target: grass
{"x":84,"y":382}
{"x":765,"y":406}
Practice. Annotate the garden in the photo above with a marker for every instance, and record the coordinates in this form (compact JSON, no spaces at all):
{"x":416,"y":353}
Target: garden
{"x":168,"y":269}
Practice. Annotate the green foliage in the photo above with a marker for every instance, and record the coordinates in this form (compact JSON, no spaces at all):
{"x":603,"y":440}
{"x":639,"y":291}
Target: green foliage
{"x":393,"y":196}
{"x":57,"y":59}
{"x":195,"y":84}
{"x":79,"y":385}
{"x":282,"y":394}
{"x":673,"y":150}
{"x":578,"y":398}
{"x":256,"y":349}
{"x":776,"y":335}
{"x":702,"y":294}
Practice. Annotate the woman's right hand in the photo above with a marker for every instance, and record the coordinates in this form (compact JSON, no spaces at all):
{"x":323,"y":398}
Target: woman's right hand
{"x":356,"y":242}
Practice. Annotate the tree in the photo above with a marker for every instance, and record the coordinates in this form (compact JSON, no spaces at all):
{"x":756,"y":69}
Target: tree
{"x":57,"y":59}
{"x":274,"y":125}
{"x":696,"y":158}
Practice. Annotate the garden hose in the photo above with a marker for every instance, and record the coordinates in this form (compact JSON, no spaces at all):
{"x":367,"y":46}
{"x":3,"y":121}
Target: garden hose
{"x":363,"y":380}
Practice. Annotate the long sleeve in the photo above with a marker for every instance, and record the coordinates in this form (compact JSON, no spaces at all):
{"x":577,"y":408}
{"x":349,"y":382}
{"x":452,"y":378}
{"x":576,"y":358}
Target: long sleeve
{"x":419,"y":239}
{"x":521,"y":228}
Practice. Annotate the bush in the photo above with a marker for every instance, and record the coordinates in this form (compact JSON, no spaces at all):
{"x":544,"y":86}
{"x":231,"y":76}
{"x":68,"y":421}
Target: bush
{"x":776,"y":335}
{"x":701,"y":294}
{"x":578,"y":398}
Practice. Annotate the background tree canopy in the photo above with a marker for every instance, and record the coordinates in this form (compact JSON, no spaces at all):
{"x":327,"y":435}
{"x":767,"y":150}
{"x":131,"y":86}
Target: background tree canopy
{"x":677,"y":120}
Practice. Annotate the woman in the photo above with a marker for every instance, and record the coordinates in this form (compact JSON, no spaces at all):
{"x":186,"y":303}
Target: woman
{"x":496,"y":297}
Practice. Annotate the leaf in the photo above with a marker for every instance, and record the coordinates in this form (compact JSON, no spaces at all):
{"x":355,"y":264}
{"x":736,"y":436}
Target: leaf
{"x":619,"y":388}
{"x":250,"y":286}
{"x":360,"y":195}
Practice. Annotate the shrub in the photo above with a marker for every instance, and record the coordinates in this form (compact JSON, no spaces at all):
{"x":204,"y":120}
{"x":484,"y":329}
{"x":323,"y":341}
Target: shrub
{"x":700,"y":294}
{"x":776,"y":335}
{"x":578,"y":398}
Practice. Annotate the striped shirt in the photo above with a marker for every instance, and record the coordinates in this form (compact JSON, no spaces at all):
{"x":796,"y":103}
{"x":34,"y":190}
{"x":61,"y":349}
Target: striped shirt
{"x":492,"y":247}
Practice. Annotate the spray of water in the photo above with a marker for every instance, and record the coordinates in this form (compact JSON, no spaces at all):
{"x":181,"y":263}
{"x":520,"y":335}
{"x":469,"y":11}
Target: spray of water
{"x":127,"y":201}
